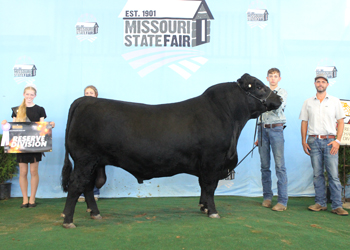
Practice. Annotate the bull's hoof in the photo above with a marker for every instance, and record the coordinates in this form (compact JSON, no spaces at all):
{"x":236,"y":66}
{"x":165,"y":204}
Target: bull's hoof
{"x":214,"y":216}
{"x":68,"y":225}
{"x":96,"y":217}
{"x":63,"y":215}
{"x":204,"y":210}
{"x":88,"y":210}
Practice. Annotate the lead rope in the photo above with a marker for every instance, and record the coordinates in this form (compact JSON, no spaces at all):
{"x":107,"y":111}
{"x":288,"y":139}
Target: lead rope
{"x":230,"y":173}
{"x":256,"y":127}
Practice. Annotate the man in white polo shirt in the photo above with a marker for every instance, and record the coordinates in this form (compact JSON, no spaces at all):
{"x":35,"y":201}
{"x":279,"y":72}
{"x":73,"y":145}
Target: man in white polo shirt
{"x":319,"y":115}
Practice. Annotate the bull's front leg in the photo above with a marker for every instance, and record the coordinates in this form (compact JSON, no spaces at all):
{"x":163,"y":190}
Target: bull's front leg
{"x":207,"y":197}
{"x":79,"y":181}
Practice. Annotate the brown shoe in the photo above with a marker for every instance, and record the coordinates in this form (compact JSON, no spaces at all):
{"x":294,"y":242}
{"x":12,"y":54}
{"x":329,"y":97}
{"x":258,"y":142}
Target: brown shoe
{"x":279,"y":207}
{"x":266,"y":203}
{"x":340,"y":211}
{"x":317,"y":207}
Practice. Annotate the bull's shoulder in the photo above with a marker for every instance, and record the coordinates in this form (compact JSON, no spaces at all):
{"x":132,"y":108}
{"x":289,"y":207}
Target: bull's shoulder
{"x":225,"y":95}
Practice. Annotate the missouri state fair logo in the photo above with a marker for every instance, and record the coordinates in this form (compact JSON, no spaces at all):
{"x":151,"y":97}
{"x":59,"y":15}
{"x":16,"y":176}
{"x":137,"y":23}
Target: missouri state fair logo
{"x":166,"y":32}
{"x":24,"y":70}
{"x":86,"y":28}
{"x":327,"y":67}
{"x":257,"y":15}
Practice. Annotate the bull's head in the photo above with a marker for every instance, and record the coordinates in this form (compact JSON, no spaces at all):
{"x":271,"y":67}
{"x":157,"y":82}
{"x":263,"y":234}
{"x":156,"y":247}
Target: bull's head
{"x":261,"y":97}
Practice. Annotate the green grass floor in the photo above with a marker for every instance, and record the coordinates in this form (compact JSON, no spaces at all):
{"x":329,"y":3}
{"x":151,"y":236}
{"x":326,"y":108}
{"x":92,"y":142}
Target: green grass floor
{"x":172,"y":223}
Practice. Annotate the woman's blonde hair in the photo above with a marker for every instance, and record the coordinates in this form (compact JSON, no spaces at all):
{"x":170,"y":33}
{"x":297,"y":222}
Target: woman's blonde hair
{"x":22,"y":110}
{"x":93,"y":88}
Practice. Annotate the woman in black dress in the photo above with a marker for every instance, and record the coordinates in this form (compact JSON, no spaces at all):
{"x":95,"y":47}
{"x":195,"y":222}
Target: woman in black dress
{"x":29,"y":112}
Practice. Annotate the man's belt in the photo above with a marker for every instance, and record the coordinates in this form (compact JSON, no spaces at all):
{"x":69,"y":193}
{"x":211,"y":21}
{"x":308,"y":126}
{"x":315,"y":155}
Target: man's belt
{"x":323,"y":136}
{"x":273,"y":125}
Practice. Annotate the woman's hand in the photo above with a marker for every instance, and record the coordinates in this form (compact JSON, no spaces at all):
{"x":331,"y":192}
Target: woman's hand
{"x":52,"y":124}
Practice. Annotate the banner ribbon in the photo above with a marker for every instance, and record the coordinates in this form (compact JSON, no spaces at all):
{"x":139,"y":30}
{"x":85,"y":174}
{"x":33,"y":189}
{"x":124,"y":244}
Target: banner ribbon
{"x":6,"y":135}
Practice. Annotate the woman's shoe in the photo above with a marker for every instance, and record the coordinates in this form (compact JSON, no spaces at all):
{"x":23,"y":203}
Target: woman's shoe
{"x":31,"y":205}
{"x":24,"y":205}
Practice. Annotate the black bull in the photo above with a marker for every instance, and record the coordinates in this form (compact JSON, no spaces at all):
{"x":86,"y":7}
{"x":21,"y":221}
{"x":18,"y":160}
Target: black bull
{"x":197,"y":136}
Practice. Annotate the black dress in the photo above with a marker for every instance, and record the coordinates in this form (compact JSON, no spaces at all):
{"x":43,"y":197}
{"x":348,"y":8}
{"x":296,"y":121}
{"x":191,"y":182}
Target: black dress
{"x":34,"y":114}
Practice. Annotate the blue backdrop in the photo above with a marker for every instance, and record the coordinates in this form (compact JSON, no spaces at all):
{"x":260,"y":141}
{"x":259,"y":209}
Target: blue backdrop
{"x":298,"y":37}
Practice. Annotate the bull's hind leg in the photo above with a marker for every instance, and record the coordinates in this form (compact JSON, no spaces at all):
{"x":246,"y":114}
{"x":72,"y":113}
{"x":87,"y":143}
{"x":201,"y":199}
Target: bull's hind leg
{"x":82,"y":179}
{"x":207,"y":197}
{"x":92,"y":205}
{"x":69,"y":208}
{"x":203,"y":202}
{"x":100,"y":179}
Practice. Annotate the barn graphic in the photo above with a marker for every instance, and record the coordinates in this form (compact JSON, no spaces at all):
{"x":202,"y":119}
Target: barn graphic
{"x":24,"y":70}
{"x":86,"y":28}
{"x":257,"y":15}
{"x":329,"y":71}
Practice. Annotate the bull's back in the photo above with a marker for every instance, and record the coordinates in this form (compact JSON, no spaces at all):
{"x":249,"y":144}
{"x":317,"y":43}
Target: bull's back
{"x":103,"y":120}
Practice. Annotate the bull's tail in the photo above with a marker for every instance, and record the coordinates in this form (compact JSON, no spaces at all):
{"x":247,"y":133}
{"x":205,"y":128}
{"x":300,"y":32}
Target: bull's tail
{"x":66,"y":171}
{"x":67,"y":167}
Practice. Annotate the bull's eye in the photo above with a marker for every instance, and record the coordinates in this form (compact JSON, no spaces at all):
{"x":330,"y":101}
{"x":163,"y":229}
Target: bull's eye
{"x":259,"y":87}
{"x":249,"y":85}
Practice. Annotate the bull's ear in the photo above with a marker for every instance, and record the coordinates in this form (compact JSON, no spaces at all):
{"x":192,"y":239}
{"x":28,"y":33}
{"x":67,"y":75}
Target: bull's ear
{"x":244,"y":81}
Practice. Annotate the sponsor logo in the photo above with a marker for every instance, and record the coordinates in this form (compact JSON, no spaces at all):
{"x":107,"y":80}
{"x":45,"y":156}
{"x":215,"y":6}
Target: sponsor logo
{"x":346,"y":107}
{"x":24,"y":70}
{"x":86,"y":28}
{"x":166,"y":31}
{"x":323,"y":68}
{"x":257,"y":15}
{"x":345,"y":139}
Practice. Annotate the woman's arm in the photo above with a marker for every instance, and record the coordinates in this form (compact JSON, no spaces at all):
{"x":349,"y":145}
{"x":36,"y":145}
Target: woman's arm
{"x":51,"y":123}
